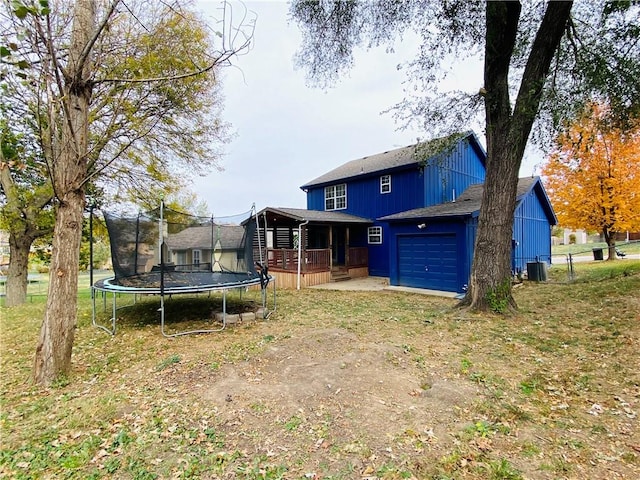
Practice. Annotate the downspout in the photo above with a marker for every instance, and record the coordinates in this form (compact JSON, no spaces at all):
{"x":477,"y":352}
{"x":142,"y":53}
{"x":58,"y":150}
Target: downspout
{"x":300,"y":249}
{"x":264,"y":259}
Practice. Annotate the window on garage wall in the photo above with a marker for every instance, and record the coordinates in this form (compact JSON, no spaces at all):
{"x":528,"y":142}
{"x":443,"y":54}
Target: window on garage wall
{"x":375,"y":235}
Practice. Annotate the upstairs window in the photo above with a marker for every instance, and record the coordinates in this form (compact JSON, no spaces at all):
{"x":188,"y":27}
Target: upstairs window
{"x":375,"y":235}
{"x":385,"y":184}
{"x":335,"y":197}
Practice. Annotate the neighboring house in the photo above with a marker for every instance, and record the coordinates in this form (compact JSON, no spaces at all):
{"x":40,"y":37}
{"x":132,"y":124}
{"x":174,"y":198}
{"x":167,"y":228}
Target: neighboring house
{"x":200,"y":247}
{"x":206,"y":248}
{"x":579,"y":236}
{"x":368,"y":217}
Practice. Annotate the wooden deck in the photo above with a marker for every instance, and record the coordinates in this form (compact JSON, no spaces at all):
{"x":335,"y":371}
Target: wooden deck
{"x":315,"y":265}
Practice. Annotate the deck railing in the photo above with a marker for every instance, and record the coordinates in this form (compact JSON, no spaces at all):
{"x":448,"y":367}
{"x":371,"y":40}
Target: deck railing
{"x":313,"y":260}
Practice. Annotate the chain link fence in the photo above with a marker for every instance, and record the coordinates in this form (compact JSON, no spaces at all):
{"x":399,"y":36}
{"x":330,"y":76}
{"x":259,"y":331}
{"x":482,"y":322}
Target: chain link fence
{"x":576,"y":259}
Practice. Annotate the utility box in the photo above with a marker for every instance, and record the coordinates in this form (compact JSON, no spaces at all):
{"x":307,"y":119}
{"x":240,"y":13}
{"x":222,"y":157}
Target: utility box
{"x":537,"y":271}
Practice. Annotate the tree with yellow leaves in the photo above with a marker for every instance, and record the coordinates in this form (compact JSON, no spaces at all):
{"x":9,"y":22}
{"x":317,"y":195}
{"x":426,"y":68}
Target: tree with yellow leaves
{"x":593,"y":176}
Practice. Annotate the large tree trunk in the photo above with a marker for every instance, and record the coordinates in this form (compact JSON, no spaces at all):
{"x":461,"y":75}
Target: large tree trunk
{"x":53,"y":352}
{"x":490,"y":282}
{"x":17,"y":280}
{"x":610,"y":238}
{"x":507,"y":133}
{"x":23,"y":230}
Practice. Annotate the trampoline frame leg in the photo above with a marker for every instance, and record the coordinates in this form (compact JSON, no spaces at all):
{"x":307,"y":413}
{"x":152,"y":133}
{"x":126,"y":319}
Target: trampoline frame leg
{"x":111,"y":331}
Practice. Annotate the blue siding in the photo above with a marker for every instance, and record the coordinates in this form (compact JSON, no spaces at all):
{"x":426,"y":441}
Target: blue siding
{"x":531,"y":231}
{"x":365,"y":200}
{"x":441,"y":178}
{"x":315,"y":199}
{"x":471,"y":229}
{"x":379,"y":254}
{"x":447,"y":177}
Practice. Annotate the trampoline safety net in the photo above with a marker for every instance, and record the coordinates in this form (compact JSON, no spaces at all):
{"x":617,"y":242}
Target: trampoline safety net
{"x":167,"y":241}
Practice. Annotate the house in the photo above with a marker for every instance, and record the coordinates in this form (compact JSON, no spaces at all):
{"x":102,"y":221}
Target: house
{"x":206,"y":248}
{"x":399,"y":214}
{"x":578,"y":237}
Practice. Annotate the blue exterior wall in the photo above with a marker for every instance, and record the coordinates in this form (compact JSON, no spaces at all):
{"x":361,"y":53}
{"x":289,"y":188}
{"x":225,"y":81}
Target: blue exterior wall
{"x":445,"y":178}
{"x":439,"y":180}
{"x":379,"y":254}
{"x":365,"y":200}
{"x":531,"y":231}
{"x":471,"y":226}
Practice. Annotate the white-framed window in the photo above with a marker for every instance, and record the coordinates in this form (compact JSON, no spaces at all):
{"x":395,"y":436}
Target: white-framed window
{"x":374,"y":235}
{"x":385,"y":184}
{"x":196,"y":257}
{"x":335,"y":197}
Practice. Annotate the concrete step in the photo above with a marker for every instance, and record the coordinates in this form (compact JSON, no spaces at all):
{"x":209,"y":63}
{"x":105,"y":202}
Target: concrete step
{"x":340,"y":277}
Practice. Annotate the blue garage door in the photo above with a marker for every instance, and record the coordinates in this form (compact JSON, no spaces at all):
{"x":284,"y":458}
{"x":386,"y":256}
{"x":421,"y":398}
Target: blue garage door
{"x":428,"y":261}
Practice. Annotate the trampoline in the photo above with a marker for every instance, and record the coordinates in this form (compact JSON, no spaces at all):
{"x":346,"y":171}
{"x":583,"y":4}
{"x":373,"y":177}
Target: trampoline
{"x":165,"y":253}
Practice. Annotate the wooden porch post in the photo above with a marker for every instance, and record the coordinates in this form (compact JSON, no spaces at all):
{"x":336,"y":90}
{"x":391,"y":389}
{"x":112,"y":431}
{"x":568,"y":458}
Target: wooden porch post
{"x":346,"y":247}
{"x":331,"y":240}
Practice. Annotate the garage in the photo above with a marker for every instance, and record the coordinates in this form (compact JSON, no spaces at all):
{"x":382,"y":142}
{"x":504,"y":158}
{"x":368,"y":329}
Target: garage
{"x":428,"y":261}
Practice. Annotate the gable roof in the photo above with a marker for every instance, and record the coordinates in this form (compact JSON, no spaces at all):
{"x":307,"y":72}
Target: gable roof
{"x":395,"y":159}
{"x":313,"y":216}
{"x":468,"y":204}
{"x":202,"y":237}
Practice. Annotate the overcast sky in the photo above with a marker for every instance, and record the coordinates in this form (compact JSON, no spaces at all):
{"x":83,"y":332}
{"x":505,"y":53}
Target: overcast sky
{"x":287,"y":133}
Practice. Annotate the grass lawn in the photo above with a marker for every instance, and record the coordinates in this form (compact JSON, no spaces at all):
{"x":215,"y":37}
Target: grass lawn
{"x":340,"y":385}
{"x":632,"y":247}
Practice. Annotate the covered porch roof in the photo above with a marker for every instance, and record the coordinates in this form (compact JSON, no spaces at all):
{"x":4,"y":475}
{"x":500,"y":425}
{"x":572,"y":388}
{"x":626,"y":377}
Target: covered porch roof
{"x":292,"y":217}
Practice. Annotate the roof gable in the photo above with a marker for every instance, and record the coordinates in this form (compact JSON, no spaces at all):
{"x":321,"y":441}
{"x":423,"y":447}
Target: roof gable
{"x":202,"y":237}
{"x":396,"y":159}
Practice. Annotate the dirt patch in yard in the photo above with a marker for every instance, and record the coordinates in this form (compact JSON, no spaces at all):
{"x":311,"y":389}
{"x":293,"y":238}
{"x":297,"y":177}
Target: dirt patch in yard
{"x":344,"y":393}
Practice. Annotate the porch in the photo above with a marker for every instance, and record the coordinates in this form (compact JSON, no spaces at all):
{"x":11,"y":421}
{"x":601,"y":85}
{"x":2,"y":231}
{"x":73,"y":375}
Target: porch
{"x":315,"y":266}
{"x":304,"y":248}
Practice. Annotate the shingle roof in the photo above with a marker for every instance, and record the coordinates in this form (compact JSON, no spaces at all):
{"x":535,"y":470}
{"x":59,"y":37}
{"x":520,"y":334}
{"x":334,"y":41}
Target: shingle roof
{"x":316,"y":216}
{"x":202,"y":237}
{"x":392,"y":159}
{"x":465,"y":205}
